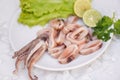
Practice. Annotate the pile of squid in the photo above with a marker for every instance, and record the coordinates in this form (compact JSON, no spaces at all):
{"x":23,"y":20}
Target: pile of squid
{"x":63,"y":39}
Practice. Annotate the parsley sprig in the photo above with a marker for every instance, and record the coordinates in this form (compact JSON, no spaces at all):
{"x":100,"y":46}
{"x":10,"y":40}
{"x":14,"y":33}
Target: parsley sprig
{"x":104,"y":29}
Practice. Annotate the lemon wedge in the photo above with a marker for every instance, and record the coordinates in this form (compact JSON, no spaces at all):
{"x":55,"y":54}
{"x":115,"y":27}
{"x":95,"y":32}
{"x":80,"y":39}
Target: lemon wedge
{"x":91,"y":17}
{"x":81,"y":6}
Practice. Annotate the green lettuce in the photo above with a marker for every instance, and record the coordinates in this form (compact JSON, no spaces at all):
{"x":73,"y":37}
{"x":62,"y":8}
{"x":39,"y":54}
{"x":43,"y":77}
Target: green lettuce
{"x":39,"y":12}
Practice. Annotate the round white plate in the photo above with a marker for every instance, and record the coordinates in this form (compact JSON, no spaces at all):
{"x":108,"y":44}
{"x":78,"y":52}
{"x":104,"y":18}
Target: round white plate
{"x":20,"y":35}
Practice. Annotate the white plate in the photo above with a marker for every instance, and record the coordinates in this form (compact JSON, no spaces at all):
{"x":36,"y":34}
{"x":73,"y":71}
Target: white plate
{"x":20,"y":35}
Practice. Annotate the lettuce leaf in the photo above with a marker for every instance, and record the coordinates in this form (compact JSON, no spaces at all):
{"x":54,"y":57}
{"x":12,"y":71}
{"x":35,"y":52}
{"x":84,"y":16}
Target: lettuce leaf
{"x":39,"y":12}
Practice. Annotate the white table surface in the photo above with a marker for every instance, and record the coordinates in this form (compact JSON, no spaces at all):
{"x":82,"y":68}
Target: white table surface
{"x":107,"y":67}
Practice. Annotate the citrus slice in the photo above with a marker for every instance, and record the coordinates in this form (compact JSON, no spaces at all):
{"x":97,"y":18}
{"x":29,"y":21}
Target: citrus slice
{"x":81,"y":6}
{"x":91,"y":17}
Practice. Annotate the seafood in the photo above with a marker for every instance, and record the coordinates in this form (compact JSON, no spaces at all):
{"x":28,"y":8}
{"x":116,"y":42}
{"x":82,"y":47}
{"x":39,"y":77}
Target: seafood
{"x":34,"y":58}
{"x":72,"y":19}
{"x":57,"y":24}
{"x":68,"y":54}
{"x":91,"y":46}
{"x":64,"y":40}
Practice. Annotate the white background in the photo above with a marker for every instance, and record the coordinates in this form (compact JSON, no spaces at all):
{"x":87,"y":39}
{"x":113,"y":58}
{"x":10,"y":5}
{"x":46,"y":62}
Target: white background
{"x":107,"y":67}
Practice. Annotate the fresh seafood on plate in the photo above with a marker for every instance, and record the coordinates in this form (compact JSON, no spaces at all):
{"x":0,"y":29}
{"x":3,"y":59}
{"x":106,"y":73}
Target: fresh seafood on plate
{"x":62,"y":39}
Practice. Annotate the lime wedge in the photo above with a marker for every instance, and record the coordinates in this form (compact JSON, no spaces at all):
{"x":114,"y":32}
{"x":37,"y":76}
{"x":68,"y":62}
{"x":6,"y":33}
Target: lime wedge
{"x":81,"y":6}
{"x":91,"y":17}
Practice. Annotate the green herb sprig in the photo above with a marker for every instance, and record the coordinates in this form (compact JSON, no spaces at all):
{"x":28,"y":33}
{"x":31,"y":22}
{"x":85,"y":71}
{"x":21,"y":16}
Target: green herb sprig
{"x":104,"y":29}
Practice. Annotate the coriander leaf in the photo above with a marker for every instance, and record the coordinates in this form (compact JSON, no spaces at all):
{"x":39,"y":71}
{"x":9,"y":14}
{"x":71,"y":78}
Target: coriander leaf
{"x":102,"y":29}
{"x":105,"y":22}
{"x":117,"y":27}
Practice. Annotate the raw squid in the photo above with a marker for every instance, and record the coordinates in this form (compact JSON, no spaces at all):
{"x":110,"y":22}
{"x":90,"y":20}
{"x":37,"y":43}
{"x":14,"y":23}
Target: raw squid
{"x":63,"y":39}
